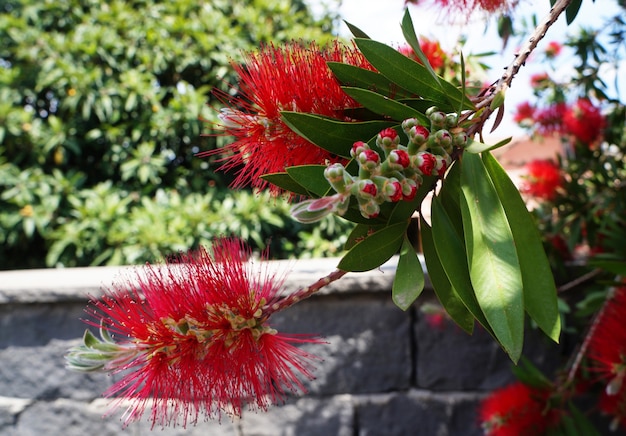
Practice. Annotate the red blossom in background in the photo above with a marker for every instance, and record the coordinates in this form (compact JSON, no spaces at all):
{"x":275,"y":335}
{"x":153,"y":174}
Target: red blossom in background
{"x":553,"y":49}
{"x":584,"y":121}
{"x":466,"y":7}
{"x":550,"y":120}
{"x":432,"y":50}
{"x":516,"y":410}
{"x":291,"y":78}
{"x":543,"y":179}
{"x":539,"y":80}
{"x":525,"y":114}
{"x":196,"y":337}
{"x":607,"y":352}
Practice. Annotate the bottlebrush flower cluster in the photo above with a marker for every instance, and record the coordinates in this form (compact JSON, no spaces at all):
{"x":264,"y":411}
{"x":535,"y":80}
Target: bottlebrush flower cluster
{"x":543,"y":179}
{"x":394,"y":176}
{"x":195,"y":339}
{"x":607,"y":352}
{"x":517,"y":409}
{"x":581,"y":120}
{"x":290,"y":78}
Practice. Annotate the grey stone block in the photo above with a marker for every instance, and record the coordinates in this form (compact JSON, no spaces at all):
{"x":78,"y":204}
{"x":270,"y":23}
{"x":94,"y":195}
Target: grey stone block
{"x":450,"y":359}
{"x":305,"y":416}
{"x":416,"y":413}
{"x":39,"y":373}
{"x":368,"y":347}
{"x":72,"y":418}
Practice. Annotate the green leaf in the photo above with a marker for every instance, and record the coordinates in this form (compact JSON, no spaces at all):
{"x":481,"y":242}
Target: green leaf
{"x":333,"y":135}
{"x":358,"y":233}
{"x":583,"y":424}
{"x":478,"y":147}
{"x":447,"y":295}
{"x":572,"y":10}
{"x":356,"y":32}
{"x":374,"y":250}
{"x":349,"y":75}
{"x":451,"y":252}
{"x":385,"y":106}
{"x":493,"y":262}
{"x":530,"y":375}
{"x":408,"y":30}
{"x":311,"y":177}
{"x":540,"y":295}
{"x":408,"y":283}
{"x":283,"y":181}
{"x":410,"y":75}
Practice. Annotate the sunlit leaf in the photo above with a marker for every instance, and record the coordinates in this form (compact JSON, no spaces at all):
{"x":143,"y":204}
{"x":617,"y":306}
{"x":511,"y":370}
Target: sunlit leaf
{"x":540,"y":296}
{"x":492,"y":258}
{"x":311,"y":177}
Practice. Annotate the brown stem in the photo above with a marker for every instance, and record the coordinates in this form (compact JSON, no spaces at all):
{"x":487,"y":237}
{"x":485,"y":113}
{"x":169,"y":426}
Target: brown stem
{"x":302,"y":293}
{"x":520,"y":59}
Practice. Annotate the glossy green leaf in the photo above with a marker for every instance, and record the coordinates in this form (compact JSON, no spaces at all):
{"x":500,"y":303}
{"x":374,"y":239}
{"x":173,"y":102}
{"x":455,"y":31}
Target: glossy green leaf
{"x":358,"y":233}
{"x":349,"y":75}
{"x":540,"y":295}
{"x":283,"y":181}
{"x":419,"y":104}
{"x":333,"y":135}
{"x":408,"y":283}
{"x":447,"y":295}
{"x":492,"y":258}
{"x":530,"y":375}
{"x":572,"y":10}
{"x":384,"y":106}
{"x":478,"y":147}
{"x":374,"y":250}
{"x":408,"y":30}
{"x":356,"y":32}
{"x":451,"y":251}
{"x":311,"y":177}
{"x":410,"y":75}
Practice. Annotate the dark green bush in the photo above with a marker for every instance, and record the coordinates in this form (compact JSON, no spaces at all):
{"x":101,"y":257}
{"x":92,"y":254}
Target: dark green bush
{"x":101,"y":108}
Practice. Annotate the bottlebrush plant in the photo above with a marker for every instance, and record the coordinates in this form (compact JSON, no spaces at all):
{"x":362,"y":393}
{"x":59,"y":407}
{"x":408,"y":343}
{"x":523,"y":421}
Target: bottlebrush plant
{"x":366,"y":132}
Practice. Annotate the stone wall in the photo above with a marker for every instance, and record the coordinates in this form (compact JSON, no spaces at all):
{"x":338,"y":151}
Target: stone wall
{"x":384,"y":371}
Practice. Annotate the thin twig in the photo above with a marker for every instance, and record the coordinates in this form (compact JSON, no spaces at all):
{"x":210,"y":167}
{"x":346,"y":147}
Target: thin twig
{"x":579,"y":280}
{"x":520,"y":60}
{"x":303,"y":293}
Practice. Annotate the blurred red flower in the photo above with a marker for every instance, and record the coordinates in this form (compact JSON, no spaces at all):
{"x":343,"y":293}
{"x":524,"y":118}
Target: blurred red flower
{"x":542,"y":180}
{"x":553,"y":49}
{"x":196,"y":337}
{"x":291,"y":78}
{"x":517,"y":409}
{"x":584,"y":121}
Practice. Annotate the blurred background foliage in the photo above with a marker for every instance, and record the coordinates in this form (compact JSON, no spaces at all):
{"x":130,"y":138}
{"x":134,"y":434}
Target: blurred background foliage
{"x":101,"y":109}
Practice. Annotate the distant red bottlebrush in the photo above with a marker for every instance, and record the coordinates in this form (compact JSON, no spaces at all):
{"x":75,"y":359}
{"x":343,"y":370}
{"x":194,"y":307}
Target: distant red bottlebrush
{"x":584,"y":121}
{"x":539,"y":80}
{"x":516,"y":410}
{"x":196,"y":338}
{"x":553,"y":49}
{"x":550,"y":120}
{"x":432,"y":50}
{"x":607,"y":353}
{"x":525,"y":114}
{"x":542,"y":180}
{"x":466,"y":7}
{"x":290,"y":78}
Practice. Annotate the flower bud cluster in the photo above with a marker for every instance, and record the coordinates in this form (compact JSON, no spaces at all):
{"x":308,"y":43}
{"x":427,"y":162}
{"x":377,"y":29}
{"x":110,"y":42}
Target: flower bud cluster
{"x":394,"y":172}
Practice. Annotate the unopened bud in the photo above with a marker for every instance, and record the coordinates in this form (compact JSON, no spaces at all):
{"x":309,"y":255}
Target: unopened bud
{"x":418,"y":135}
{"x":460,"y":139}
{"x":442,"y":164}
{"x":369,"y":208}
{"x":338,"y":177}
{"x":368,"y":159}
{"x":443,"y":139}
{"x":357,"y":148}
{"x":388,"y":139}
{"x":408,"y":124}
{"x":437,"y":120}
{"x":451,"y":120}
{"x":409,"y":189}
{"x":365,"y":189}
{"x":396,"y":161}
{"x":425,"y":163}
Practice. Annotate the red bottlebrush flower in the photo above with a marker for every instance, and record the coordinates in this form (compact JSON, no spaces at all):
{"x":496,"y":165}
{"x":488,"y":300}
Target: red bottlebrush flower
{"x":292,"y":78}
{"x":550,"y":119}
{"x":524,"y":114}
{"x":553,"y":49}
{"x":584,"y":121}
{"x":539,"y":80}
{"x":466,"y":7}
{"x":517,"y":409}
{"x":607,"y":346}
{"x":197,"y":338}
{"x":614,"y":405}
{"x":431,"y":49}
{"x":542,"y":180}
